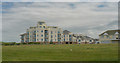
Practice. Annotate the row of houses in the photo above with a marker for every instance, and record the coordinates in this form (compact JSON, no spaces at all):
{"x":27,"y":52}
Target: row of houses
{"x":110,"y":36}
{"x":46,"y":34}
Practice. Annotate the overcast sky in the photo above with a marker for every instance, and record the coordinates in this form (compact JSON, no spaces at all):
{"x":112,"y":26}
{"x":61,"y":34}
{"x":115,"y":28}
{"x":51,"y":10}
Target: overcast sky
{"x":85,"y":18}
{"x":60,"y":0}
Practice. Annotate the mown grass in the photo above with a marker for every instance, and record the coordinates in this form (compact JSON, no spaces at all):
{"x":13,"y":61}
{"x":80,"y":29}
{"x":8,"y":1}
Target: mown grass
{"x":0,"y":51}
{"x":82,"y":52}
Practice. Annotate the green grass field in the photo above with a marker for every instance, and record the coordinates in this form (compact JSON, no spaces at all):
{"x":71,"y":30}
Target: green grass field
{"x":82,"y":52}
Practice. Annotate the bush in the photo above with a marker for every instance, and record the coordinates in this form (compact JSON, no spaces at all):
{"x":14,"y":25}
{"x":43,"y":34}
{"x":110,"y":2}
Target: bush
{"x":23,"y":43}
{"x":30,"y":42}
{"x":18,"y":43}
{"x":36,"y":42}
{"x":12,"y":43}
{"x":51,"y":42}
{"x":5,"y":44}
{"x":8,"y":43}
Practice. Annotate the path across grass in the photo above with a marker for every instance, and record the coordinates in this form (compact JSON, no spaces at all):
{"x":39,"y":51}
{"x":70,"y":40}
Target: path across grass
{"x":74,"y":52}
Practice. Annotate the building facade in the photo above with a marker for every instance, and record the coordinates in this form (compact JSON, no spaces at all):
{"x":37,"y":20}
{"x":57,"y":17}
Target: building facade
{"x":110,"y":36}
{"x":46,"y":34}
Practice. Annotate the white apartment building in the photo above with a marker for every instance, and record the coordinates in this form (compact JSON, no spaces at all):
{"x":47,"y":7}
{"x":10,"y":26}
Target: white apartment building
{"x":46,"y":34}
{"x":42,"y":33}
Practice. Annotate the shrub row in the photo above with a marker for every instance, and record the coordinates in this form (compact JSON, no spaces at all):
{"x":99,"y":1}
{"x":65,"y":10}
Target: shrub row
{"x":29,"y":43}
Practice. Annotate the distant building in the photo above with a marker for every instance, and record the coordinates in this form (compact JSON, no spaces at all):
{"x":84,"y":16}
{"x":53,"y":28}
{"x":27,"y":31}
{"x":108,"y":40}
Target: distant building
{"x":46,"y":34}
{"x":82,"y":39}
{"x":110,"y":36}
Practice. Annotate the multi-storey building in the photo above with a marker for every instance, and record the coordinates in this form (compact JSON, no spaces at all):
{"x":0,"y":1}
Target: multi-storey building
{"x":46,"y":34}
{"x":110,"y":36}
{"x":42,"y":33}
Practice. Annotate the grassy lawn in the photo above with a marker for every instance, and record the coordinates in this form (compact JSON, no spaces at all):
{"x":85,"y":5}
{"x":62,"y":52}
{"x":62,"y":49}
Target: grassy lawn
{"x":82,"y":52}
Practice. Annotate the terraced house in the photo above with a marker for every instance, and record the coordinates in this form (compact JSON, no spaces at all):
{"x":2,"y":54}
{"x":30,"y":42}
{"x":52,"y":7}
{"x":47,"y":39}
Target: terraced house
{"x":46,"y":34}
{"x":110,"y":36}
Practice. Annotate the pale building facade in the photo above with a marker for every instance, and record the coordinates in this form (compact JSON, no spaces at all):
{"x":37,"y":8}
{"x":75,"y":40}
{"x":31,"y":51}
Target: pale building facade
{"x":83,"y":39}
{"x":42,"y":33}
{"x":46,"y":34}
{"x":110,"y":36}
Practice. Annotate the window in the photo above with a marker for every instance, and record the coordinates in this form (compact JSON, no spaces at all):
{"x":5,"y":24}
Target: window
{"x":41,"y":30}
{"x":58,"y":35}
{"x":27,"y":40}
{"x":55,"y":35}
{"x":55,"y":39}
{"x":41,"y":35}
{"x":46,"y":31}
{"x":69,"y":35}
{"x":43,"y":26}
{"x":64,"y":39}
{"x":40,"y":23}
{"x":22,"y":37}
{"x":37,"y":35}
{"x":58,"y":31}
{"x":45,"y":35}
{"x":41,"y":39}
{"x":40,"y":26}
{"x":70,"y":39}
{"x":27,"y":35}
{"x":34,"y":35}
{"x":64,"y":35}
{"x":45,"y":39}
{"x":51,"y":32}
{"x":34,"y":31}
{"x":90,"y":40}
{"x":58,"y":39}
{"x":51,"y":36}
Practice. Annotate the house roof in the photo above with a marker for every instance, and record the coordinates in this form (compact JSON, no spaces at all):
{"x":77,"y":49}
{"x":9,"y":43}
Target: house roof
{"x":66,"y":32}
{"x":83,"y":37}
{"x":23,"y":34}
{"x":110,"y":32}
